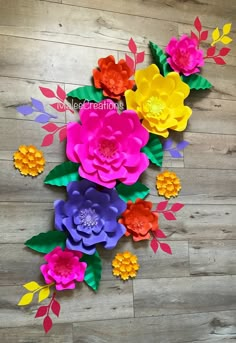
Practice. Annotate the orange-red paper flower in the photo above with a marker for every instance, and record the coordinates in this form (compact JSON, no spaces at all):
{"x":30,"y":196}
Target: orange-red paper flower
{"x":125,"y":265}
{"x":168,"y":184}
{"x":139,"y":219}
{"x":29,"y":160}
{"x":112,"y":77}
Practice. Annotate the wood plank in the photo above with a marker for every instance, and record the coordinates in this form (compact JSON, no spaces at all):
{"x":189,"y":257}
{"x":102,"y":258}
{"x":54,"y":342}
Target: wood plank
{"x":114,"y":299}
{"x":212,"y":257}
{"x":60,"y":333}
{"x":184,"y":295}
{"x":205,"y":327}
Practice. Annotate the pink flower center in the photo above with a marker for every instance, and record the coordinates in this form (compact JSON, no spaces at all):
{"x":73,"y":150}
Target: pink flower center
{"x":63,"y":267}
{"x":183,"y":58}
{"x":107,"y":148}
{"x":88,"y":217}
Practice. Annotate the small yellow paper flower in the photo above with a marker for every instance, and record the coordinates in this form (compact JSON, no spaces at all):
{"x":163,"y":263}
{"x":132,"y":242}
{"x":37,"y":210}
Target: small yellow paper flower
{"x":159,"y":101}
{"x":125,"y":265}
{"x":168,"y":184}
{"x":29,"y":160}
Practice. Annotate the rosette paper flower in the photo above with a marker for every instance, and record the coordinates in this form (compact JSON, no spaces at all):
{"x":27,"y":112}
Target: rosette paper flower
{"x":107,"y":144}
{"x":159,"y":101}
{"x":63,"y":268}
{"x":184,"y":55}
{"x":168,"y":184}
{"x":113,"y":77}
{"x":139,"y":219}
{"x":89,"y":216}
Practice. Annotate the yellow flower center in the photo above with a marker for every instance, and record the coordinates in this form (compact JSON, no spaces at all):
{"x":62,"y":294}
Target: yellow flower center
{"x":155,"y":105}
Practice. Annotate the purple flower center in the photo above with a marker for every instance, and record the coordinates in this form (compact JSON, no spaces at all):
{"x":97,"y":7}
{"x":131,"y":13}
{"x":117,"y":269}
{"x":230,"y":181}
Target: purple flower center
{"x":107,"y":148}
{"x":88,"y":218}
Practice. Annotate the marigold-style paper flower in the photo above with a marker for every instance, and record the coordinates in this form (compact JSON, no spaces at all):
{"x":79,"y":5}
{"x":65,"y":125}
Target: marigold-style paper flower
{"x":184,"y":55}
{"x":168,"y":184}
{"x":63,"y":268}
{"x":113,"y":77}
{"x":29,"y":160}
{"x":107,"y":144}
{"x":125,"y":265}
{"x":139,"y":219}
{"x":159,"y":101}
{"x":89,"y":216}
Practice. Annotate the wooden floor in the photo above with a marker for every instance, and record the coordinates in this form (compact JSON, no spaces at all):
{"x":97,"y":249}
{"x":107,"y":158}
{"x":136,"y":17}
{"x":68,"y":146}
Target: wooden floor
{"x":188,"y":297}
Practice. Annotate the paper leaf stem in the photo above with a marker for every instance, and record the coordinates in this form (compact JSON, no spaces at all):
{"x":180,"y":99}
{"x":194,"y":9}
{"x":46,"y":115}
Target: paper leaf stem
{"x":168,"y":214}
{"x":63,"y":174}
{"x":160,"y":58}
{"x":93,"y":271}
{"x":137,"y":190}
{"x":46,"y":242}
{"x":196,"y":81}
{"x":154,"y":150}
{"x":89,"y":93}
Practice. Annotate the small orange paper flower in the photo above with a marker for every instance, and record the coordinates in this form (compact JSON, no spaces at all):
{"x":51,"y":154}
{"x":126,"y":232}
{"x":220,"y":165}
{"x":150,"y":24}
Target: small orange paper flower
{"x":29,"y":160}
{"x":139,"y":219}
{"x":112,"y":77}
{"x":125,"y":265}
{"x":168,"y":184}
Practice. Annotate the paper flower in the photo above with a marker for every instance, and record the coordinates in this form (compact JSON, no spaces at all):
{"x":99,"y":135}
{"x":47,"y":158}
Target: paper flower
{"x":168,"y":184}
{"x":107,"y":144}
{"x":89,"y":216}
{"x":184,"y":55}
{"x":63,"y":268}
{"x":29,"y":160}
{"x":125,"y":265}
{"x":159,"y":101}
{"x":139,"y":219}
{"x":113,"y":77}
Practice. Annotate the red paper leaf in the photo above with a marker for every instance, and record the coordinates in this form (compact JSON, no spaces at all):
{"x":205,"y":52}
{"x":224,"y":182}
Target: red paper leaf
{"x":154,"y":245}
{"x":194,"y":36}
{"x":42,"y":310}
{"x":176,"y":207}
{"x":132,"y":46}
{"x":58,"y":106}
{"x":211,"y":51}
{"x":62,"y":134}
{"x":224,"y":51}
{"x":129,"y":62}
{"x":50,"y":127}
{"x":140,"y":57}
{"x":56,"y":307}
{"x":219,"y":60}
{"x":162,"y":206}
{"x":204,"y":35}
{"x":47,"y":92}
{"x":47,"y":324}
{"x":48,"y":140}
{"x":169,"y":215}
{"x":61,"y":93}
{"x":166,"y":248}
{"x":197,"y":24}
{"x":159,"y":233}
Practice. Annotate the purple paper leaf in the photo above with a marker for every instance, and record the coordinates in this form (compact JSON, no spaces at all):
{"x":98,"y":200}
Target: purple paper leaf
{"x":37,"y":104}
{"x":42,"y":118}
{"x":182,"y":145}
{"x":25,"y":110}
{"x":175,"y":153}
{"x":168,"y":143}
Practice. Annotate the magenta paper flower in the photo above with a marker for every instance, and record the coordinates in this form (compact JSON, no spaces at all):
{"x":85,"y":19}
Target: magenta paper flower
{"x":107,"y":144}
{"x":184,"y":55}
{"x":63,"y":268}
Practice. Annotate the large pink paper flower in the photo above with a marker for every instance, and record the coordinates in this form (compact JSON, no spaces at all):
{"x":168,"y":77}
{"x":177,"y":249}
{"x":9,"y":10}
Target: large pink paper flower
{"x":184,"y":55}
{"x":63,"y":268}
{"x":107,"y":144}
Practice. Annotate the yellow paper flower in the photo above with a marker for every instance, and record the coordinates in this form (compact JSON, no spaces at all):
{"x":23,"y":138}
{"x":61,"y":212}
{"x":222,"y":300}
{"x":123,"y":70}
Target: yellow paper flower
{"x":29,"y":160}
{"x":125,"y":265}
{"x":159,"y":101}
{"x":168,"y":184}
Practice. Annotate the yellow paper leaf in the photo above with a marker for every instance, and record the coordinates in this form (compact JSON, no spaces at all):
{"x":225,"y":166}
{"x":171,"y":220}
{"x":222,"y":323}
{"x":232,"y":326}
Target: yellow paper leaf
{"x":227,"y":28}
{"x":31,"y":286}
{"x":216,"y":34}
{"x":226,"y":40}
{"x":44,"y":294}
{"x":26,"y":299}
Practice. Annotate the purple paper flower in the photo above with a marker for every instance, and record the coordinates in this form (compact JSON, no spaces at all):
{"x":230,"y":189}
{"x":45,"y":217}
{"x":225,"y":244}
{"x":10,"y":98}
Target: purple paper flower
{"x":89,"y":216}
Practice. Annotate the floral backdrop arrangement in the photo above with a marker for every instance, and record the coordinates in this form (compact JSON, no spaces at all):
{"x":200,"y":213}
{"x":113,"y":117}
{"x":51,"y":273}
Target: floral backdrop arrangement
{"x":108,"y":149}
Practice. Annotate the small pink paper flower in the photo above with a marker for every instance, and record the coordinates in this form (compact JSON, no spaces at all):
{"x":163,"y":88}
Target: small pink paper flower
{"x":107,"y":144}
{"x":63,"y":268}
{"x":184,"y":55}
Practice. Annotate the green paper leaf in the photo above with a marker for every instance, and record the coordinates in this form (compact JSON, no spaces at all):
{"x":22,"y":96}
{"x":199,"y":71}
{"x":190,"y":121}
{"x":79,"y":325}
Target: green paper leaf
{"x":63,"y":174}
{"x":137,"y":190}
{"x":47,"y":241}
{"x":160,"y":59}
{"x":93,"y":271}
{"x":154,"y":150}
{"x":89,"y":93}
{"x":196,"y":81}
